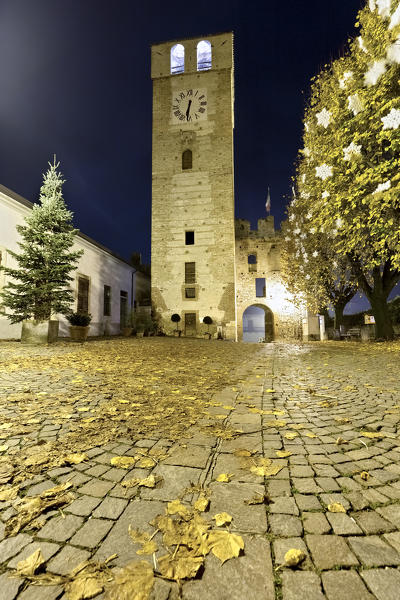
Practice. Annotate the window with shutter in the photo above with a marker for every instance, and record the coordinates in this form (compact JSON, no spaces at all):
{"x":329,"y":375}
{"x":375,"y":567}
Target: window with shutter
{"x":190,"y":272}
{"x":83,"y":295}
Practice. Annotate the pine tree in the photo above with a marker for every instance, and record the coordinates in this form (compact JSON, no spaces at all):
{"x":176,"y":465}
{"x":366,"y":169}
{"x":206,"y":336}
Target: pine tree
{"x":349,"y":167}
{"x":39,"y":285}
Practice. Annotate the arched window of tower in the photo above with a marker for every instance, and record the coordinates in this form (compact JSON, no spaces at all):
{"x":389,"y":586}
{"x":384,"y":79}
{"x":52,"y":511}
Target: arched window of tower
{"x":186,"y":159}
{"x":177,"y":59}
{"x":203,"y":55}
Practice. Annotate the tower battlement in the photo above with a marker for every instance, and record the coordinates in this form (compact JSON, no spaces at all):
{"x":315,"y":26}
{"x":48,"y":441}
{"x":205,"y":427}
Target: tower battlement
{"x":265,"y":228}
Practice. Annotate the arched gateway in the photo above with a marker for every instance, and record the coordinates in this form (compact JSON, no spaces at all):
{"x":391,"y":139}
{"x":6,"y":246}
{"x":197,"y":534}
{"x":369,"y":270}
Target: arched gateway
{"x":258,"y":323}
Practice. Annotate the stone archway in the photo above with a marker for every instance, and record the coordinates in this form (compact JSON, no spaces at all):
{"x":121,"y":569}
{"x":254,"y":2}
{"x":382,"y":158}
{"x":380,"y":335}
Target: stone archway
{"x":258,"y":323}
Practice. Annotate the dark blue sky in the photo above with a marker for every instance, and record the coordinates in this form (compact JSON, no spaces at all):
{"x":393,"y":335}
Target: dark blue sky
{"x":75,"y":81}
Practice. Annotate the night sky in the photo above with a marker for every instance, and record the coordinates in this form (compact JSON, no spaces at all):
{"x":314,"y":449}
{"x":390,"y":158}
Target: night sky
{"x":75,"y":81}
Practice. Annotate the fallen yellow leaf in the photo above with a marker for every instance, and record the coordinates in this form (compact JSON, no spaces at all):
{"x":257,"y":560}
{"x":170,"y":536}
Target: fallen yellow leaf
{"x":336,"y":507}
{"x":283,"y":453}
{"x":225,"y":545}
{"x":222,"y":519}
{"x":123,"y":462}
{"x":372,"y":434}
{"x":30,"y":565}
{"x":294,"y":557}
{"x":224,"y":477}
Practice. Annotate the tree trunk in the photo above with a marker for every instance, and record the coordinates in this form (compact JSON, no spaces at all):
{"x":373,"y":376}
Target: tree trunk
{"x":380,"y":310}
{"x":339,"y":308}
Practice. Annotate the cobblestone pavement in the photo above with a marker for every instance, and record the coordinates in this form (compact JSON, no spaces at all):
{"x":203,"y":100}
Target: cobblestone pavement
{"x":331,"y":411}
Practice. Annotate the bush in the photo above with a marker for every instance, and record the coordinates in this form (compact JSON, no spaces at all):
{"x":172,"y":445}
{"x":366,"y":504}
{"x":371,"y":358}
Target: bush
{"x":79,"y":319}
{"x":175,"y":318}
{"x":207,"y":321}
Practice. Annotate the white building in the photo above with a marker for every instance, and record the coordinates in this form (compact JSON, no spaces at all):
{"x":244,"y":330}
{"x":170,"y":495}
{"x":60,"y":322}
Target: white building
{"x":105,"y":285}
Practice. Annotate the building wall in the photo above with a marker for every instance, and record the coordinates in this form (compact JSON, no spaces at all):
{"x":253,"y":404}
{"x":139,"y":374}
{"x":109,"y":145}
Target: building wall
{"x":199,"y":199}
{"x":265,"y":244}
{"x":100,"y":266}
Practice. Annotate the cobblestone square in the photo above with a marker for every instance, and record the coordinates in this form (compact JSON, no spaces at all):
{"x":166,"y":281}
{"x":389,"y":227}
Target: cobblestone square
{"x":299,"y":445}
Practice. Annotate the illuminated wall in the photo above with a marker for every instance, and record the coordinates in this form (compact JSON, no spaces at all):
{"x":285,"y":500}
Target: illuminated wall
{"x":264,"y":244}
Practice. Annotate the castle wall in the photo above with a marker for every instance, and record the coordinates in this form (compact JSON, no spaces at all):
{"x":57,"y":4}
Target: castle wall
{"x":265,"y":244}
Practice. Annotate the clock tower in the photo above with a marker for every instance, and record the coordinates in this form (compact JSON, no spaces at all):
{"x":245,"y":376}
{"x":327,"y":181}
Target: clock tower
{"x":193,"y":232}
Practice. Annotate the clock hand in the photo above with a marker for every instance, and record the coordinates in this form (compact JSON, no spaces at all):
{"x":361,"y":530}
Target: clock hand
{"x":188,"y":110}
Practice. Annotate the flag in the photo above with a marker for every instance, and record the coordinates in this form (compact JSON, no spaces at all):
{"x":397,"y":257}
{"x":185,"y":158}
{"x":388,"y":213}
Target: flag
{"x":268,"y":203}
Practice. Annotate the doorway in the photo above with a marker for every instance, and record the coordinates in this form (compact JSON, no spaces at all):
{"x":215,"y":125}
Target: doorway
{"x":190,"y":324}
{"x":258,"y":324}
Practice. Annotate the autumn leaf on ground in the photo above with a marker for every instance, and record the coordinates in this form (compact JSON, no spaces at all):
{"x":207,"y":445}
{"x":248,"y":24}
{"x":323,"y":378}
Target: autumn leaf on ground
{"x":291,"y":435}
{"x":139,"y":537}
{"x":365,"y":475}
{"x":147,"y":463}
{"x":30,"y":565}
{"x":242,"y":452}
{"x":224,"y":477}
{"x":283,"y":453}
{"x":9,"y":494}
{"x":310,"y":435}
{"x":151,"y":481}
{"x":225,"y":545}
{"x":266,"y":471}
{"x":201,"y":503}
{"x":259,"y":499}
{"x":269,"y":391}
{"x":222,"y":518}
{"x":180,"y":566}
{"x":148,"y":548}
{"x":75,"y":459}
{"x":294,"y":557}
{"x":296,"y":426}
{"x":3,"y":447}
{"x":123,"y":462}
{"x":279,"y":413}
{"x":336,"y":507}
{"x":372,"y":434}
{"x":341,"y":441}
{"x":177,"y":508}
{"x":134,"y":582}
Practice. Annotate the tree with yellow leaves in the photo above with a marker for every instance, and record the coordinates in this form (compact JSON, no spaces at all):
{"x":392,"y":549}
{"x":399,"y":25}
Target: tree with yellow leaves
{"x":348,"y":175}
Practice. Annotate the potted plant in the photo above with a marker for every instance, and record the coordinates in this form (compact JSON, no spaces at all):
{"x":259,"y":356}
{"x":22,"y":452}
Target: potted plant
{"x":140,"y":322}
{"x":127,"y":328}
{"x":208,"y":321}
{"x":175,"y":318}
{"x":79,"y":326}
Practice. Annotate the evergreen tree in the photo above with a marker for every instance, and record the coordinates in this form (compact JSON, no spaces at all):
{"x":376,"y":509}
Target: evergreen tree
{"x":349,"y":168}
{"x":39,"y":285}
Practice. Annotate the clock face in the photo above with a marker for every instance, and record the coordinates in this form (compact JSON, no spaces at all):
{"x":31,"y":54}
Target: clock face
{"x":189,"y":106}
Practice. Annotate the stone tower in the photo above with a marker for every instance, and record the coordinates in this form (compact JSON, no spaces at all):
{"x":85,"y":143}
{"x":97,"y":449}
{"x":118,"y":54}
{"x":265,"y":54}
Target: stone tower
{"x":193,"y":231}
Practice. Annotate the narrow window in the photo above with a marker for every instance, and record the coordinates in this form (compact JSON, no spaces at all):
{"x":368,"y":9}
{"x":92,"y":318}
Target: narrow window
{"x":190,"y":272}
{"x":252,"y":261}
{"x":107,"y":301}
{"x":260,"y":287}
{"x":177,"y":59}
{"x":203,"y":55}
{"x":189,"y":238}
{"x":190,"y":292}
{"x":186,"y":159}
{"x":83,"y":295}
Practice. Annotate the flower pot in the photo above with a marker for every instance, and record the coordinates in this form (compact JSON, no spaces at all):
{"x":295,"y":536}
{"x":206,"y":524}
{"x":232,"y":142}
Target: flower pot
{"x":78,"y":333}
{"x":127,"y":331}
{"x":39,"y":332}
